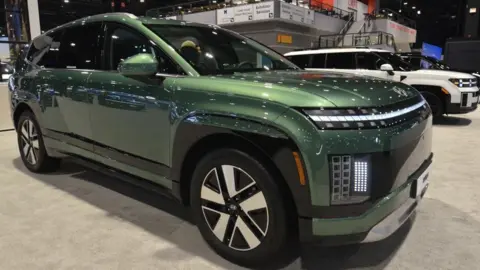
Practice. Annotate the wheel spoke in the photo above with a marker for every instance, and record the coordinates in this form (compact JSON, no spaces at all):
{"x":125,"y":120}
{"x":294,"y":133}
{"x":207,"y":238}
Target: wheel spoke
{"x":255,"y":202}
{"x":217,"y":207}
{"x":246,"y":193}
{"x":248,"y":235}
{"x":211,"y":195}
{"x":24,"y":140}
{"x":24,"y":131}
{"x":31,"y":129}
{"x":35,"y":144}
{"x":229,"y":178}
{"x":25,"y":149}
{"x":229,"y":230}
{"x":33,"y":155}
{"x":221,"y":226}
{"x":28,"y":155}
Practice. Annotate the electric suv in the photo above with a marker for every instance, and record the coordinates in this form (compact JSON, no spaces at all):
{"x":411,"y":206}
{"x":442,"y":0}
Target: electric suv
{"x":264,"y":153}
{"x":447,"y":92}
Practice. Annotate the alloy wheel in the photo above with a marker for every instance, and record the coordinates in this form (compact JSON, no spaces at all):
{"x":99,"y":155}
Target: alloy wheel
{"x":234,"y":207}
{"x":29,"y":142}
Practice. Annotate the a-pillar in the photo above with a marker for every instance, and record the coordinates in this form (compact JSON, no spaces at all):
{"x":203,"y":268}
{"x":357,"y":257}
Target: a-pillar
{"x":33,"y":18}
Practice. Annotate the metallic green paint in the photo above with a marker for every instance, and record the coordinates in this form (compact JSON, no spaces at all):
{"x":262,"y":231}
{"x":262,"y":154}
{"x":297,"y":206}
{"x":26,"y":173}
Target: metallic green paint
{"x":140,"y":115}
{"x":140,"y":64}
{"x":363,"y":223}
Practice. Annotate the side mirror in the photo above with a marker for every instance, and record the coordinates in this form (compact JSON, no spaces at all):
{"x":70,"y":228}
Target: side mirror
{"x":388,"y":68}
{"x":142,"y":64}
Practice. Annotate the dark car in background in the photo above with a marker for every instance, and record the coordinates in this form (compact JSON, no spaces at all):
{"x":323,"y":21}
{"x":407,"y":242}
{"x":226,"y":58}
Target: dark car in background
{"x":427,"y":62}
{"x":5,"y":71}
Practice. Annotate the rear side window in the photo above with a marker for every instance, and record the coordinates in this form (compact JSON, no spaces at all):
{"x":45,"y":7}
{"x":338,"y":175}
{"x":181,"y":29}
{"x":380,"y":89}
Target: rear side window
{"x":319,"y":61}
{"x":340,"y":61}
{"x":44,"y":50}
{"x":302,"y":61}
{"x":79,"y":48}
{"x":369,"y":61}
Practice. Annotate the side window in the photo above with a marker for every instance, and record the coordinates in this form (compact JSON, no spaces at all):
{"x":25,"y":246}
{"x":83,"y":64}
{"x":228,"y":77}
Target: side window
{"x":340,"y":60}
{"x":124,"y":43}
{"x":44,"y":50}
{"x":415,"y":61}
{"x":302,"y":61}
{"x":319,"y":61}
{"x":79,"y":47}
{"x":369,"y":61}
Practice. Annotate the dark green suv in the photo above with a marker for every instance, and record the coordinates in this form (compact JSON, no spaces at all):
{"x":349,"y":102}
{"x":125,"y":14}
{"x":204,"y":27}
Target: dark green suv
{"x":264,"y":153}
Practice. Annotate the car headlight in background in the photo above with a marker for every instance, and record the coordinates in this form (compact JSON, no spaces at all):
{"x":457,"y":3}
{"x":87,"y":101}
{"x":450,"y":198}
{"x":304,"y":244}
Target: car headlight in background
{"x":351,"y":178}
{"x":367,"y":117}
{"x":464,"y":82}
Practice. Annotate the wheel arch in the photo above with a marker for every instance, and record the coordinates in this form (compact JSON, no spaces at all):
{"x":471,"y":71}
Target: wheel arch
{"x":436,"y":90}
{"x":274,"y":148}
{"x":18,"y":110}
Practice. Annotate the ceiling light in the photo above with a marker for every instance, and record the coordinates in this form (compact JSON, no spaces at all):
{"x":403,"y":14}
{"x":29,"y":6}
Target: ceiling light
{"x":66,"y":1}
{"x":406,"y":3}
{"x":414,"y":7}
{"x":142,"y":1}
{"x":399,"y":11}
{"x":419,"y":12}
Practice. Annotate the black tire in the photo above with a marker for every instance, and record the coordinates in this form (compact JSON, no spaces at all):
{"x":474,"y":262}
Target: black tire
{"x":274,"y":226}
{"x":435,"y":103}
{"x":31,"y":146}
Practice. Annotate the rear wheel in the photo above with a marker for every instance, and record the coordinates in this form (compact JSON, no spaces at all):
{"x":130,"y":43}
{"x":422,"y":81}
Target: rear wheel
{"x":31,"y":147}
{"x":435,"y":103}
{"x":240,"y":210}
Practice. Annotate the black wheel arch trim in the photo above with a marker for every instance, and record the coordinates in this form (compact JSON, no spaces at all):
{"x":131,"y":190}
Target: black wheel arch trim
{"x":272,"y":143}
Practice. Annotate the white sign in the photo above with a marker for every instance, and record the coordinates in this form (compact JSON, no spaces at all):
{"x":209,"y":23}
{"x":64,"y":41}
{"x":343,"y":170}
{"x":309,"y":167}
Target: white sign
{"x":225,"y":15}
{"x":309,"y":16}
{"x":171,"y":18}
{"x":245,"y":13}
{"x":401,"y":33}
{"x":296,"y":13}
{"x":263,"y":11}
{"x":352,"y":4}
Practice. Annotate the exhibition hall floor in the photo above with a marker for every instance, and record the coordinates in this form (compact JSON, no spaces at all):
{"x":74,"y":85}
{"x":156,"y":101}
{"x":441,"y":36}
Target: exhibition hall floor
{"x":78,"y":219}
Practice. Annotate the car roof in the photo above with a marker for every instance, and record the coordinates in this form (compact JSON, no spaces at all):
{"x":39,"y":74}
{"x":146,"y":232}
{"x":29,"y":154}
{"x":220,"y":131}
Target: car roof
{"x":126,"y":17}
{"x":410,"y":54}
{"x":335,"y":50}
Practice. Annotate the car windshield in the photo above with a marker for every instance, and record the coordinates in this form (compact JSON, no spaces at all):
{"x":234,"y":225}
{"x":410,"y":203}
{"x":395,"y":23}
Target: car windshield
{"x":396,"y":61}
{"x":211,"y":50}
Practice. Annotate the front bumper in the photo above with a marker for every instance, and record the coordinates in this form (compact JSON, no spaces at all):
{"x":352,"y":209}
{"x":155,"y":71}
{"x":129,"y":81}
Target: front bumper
{"x":468,"y":103}
{"x":381,"y":221}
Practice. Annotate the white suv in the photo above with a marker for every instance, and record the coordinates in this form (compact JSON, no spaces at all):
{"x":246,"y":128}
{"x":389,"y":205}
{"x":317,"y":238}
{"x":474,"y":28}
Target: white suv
{"x":447,"y":92}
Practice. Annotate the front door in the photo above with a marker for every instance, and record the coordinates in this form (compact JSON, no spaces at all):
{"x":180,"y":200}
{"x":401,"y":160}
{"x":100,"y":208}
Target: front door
{"x":130,"y":119}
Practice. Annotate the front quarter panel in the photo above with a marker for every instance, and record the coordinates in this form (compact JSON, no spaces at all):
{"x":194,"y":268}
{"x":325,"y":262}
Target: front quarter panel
{"x":22,"y":91}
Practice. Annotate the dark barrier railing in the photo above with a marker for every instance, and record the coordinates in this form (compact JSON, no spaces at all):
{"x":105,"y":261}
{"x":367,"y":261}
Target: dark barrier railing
{"x":355,"y":40}
{"x":206,"y":5}
{"x":386,"y":13}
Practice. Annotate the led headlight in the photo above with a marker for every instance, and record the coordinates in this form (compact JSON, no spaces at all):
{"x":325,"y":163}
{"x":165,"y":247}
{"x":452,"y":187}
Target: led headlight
{"x":464,"y":82}
{"x":359,"y":118}
{"x":350,"y":178}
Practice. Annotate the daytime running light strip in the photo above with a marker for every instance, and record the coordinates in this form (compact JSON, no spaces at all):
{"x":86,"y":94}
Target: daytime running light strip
{"x":359,"y":118}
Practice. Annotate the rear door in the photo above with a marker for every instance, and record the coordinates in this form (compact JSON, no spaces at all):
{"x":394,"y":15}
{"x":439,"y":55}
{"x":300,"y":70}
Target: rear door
{"x":62,"y":77}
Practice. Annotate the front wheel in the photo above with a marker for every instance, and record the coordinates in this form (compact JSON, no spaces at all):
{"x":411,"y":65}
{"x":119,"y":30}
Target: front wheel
{"x":435,"y":103}
{"x":31,"y":146}
{"x":240,"y":209}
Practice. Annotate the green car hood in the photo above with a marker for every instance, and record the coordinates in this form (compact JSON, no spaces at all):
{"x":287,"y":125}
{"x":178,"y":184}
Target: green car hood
{"x":312,"y":89}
